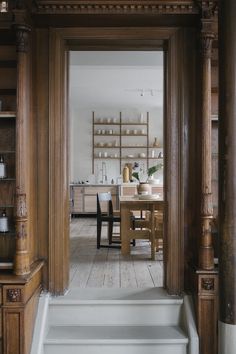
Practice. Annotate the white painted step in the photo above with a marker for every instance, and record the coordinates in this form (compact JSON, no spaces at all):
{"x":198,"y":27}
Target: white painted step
{"x":151,"y":306}
{"x":115,"y":340}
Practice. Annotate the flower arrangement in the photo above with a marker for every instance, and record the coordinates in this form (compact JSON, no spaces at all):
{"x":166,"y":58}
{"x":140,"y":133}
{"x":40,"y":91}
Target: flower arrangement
{"x":143,"y":177}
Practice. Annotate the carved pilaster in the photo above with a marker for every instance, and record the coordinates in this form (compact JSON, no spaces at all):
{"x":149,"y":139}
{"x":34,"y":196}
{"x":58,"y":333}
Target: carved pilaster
{"x":22,"y":38}
{"x":206,"y":251}
{"x":22,"y":265}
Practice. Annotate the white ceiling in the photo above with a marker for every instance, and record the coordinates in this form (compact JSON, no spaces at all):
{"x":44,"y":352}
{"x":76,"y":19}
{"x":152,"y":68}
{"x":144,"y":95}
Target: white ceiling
{"x":116,"y":79}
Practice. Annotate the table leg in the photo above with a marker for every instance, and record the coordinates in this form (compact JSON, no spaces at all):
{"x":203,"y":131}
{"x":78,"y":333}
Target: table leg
{"x":124,"y":228}
{"x":153,"y":245}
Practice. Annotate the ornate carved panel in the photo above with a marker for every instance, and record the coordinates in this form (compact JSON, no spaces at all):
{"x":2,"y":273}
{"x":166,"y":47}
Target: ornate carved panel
{"x":14,"y":295}
{"x":111,"y":6}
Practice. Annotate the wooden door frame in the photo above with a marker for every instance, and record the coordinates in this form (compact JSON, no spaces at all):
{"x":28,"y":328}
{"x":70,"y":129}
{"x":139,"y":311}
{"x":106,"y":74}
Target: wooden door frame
{"x":61,"y":40}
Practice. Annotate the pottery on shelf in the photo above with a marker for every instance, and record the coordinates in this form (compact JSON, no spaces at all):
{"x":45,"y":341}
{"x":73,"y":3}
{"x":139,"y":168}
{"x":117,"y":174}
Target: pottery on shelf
{"x":155,"y":144}
{"x":144,"y":188}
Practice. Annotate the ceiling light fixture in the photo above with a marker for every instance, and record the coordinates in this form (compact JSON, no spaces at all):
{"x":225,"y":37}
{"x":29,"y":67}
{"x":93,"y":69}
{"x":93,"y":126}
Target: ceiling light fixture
{"x":142,"y":92}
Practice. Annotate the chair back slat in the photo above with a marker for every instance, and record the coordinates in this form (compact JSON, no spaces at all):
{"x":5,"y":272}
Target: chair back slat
{"x":104,"y":200}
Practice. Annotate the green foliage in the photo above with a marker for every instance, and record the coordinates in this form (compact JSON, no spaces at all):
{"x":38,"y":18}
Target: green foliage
{"x":135,"y":175}
{"x":153,"y":169}
{"x":150,"y":171}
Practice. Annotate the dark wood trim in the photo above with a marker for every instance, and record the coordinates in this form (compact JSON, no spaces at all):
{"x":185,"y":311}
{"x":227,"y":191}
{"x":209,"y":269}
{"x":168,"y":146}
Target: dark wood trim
{"x":206,"y":305}
{"x":227,"y":164}
{"x":174,"y":250}
{"x":120,"y":7}
{"x":58,"y":167}
{"x":18,"y":305}
{"x":58,"y":179}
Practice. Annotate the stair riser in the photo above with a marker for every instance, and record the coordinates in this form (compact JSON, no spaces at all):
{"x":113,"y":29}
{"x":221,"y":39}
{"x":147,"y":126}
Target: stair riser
{"x":114,"y":314}
{"x":115,"y":349}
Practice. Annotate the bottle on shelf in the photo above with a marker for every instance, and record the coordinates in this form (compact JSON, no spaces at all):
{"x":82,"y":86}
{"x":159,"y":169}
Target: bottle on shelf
{"x":3,"y":169}
{"x":156,"y":143}
{"x":4,"y":225}
{"x":125,"y":174}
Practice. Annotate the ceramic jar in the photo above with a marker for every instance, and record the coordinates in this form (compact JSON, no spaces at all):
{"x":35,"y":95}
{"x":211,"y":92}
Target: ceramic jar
{"x":125,"y":174}
{"x":144,"y":188}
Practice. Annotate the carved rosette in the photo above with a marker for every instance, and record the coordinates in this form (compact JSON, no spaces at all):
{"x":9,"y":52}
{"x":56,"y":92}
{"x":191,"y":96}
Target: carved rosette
{"x":208,"y":284}
{"x":13,"y":295}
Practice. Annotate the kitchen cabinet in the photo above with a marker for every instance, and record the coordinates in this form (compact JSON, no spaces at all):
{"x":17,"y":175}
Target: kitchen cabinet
{"x":84,"y":197}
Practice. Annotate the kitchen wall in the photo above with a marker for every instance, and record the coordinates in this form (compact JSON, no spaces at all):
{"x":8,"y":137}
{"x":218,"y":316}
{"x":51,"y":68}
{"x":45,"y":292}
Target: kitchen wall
{"x":108,"y":90}
{"x":81,"y":141}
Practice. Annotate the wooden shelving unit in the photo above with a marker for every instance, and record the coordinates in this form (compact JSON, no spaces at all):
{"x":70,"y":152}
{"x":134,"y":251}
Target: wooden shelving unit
{"x":8,"y":65}
{"x":103,"y":128}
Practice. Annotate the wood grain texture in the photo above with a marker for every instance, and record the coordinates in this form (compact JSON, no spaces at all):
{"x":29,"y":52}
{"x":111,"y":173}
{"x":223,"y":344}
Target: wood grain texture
{"x":173,"y":219}
{"x":41,"y":74}
{"x":206,"y":304}
{"x":19,"y":305}
{"x":90,"y":267}
{"x":227,"y":165}
{"x":58,"y":166}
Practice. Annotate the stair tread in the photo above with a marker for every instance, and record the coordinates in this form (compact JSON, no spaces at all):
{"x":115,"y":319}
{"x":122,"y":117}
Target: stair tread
{"x":127,"y":334}
{"x":97,"y":295}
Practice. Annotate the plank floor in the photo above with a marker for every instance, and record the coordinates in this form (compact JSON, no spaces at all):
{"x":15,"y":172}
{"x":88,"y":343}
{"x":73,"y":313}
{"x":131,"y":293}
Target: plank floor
{"x":107,"y":268}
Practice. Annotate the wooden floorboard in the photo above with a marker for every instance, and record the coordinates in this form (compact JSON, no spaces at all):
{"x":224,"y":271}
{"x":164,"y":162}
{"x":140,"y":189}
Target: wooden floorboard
{"x":106,"y":267}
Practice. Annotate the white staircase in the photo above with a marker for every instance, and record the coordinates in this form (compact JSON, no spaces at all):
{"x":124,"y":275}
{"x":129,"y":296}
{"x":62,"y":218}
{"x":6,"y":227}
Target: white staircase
{"x":116,"y":321}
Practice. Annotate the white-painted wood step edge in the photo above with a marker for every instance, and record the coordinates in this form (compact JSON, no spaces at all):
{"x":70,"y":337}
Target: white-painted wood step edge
{"x":117,"y":295}
{"x":117,"y":349}
{"x":188,"y":323}
{"x":56,"y":302}
{"x":109,"y":314}
{"x":115,"y":335}
{"x":41,"y":325}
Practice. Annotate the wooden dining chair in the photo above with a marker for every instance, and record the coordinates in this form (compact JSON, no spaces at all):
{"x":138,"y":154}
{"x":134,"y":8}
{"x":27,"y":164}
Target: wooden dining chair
{"x":109,"y":216}
{"x":158,"y":220}
{"x":142,"y":226}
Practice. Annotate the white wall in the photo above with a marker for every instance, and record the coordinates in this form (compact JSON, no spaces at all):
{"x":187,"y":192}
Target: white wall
{"x":107,"y":92}
{"x":81,"y":141}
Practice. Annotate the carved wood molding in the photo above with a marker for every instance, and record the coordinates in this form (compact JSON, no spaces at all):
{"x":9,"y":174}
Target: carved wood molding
{"x":22,"y":38}
{"x":111,"y":6}
{"x":208,"y":284}
{"x":208,"y":9}
{"x":14,"y":295}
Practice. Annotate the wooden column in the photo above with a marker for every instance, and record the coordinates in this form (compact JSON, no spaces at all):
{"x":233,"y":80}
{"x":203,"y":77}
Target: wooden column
{"x":206,"y":252}
{"x":21,"y":264}
{"x":227,"y":176}
{"x":206,"y":276}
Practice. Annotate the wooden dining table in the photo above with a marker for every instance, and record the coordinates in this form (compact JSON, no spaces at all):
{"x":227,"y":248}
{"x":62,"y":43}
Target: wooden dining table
{"x":129,"y":204}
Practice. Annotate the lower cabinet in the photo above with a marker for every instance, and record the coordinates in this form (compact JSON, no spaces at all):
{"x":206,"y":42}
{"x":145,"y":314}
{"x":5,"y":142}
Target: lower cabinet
{"x":84,"y":198}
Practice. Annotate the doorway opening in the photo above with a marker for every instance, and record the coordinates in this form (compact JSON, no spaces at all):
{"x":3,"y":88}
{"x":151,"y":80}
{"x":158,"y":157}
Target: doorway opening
{"x":116,"y":120}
